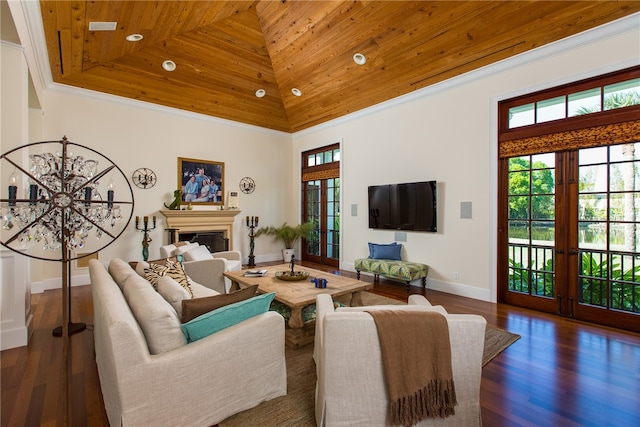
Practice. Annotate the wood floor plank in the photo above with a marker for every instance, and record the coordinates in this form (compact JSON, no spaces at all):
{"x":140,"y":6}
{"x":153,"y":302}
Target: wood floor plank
{"x":560,"y":373}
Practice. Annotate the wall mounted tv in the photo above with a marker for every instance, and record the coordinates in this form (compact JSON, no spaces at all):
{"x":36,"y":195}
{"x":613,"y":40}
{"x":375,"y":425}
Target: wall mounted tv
{"x":409,"y":206}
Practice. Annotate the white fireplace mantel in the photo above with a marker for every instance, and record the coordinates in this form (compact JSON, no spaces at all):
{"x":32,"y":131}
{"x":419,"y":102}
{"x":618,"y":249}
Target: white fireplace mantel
{"x":191,"y":221}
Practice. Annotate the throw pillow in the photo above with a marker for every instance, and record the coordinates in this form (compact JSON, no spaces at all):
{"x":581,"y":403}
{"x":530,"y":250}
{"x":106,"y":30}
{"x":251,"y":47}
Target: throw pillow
{"x":141,"y":265}
{"x":153,"y":273}
{"x":390,"y":251}
{"x":192,"y":308}
{"x":226,"y":316}
{"x":172,"y":292}
{"x":184,"y":248}
{"x":197,"y":254}
{"x":172,"y":269}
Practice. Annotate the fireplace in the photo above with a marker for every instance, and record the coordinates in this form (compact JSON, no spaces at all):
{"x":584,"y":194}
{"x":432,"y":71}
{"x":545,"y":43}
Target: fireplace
{"x":185,"y":225}
{"x":213,"y":240}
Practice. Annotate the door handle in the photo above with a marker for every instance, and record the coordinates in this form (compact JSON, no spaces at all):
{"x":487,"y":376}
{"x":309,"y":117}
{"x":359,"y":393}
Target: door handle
{"x":573,"y":251}
{"x":571,"y":302}
{"x":559,"y":251}
{"x":559,"y":304}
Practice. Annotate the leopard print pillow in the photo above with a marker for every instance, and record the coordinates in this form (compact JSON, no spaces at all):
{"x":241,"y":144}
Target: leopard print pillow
{"x":171,"y":269}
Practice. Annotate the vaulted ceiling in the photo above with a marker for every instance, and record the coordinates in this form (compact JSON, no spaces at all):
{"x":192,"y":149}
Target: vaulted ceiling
{"x":225,"y":51}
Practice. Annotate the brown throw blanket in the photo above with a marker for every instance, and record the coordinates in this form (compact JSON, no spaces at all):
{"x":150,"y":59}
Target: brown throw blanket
{"x":416,"y":357}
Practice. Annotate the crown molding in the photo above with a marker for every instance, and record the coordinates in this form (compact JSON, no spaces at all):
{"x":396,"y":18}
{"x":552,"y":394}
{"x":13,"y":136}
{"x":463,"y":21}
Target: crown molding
{"x":28,"y":21}
{"x":175,"y":112}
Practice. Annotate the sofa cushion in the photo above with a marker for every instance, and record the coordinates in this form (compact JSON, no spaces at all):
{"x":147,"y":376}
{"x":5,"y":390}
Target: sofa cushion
{"x":192,"y":308}
{"x":157,"y":319}
{"x":174,"y":294}
{"x":385,"y":251}
{"x":120,"y":271}
{"x":224,"y":317}
{"x":198,"y":253}
{"x":200,"y":291}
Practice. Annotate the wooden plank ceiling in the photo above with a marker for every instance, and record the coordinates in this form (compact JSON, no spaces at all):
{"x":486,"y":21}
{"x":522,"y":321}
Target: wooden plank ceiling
{"x":226,"y":50}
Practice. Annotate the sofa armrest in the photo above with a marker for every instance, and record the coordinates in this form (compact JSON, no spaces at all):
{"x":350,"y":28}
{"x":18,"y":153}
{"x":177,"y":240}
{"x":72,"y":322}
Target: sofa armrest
{"x":215,"y":377}
{"x":422,"y":301}
{"x":207,"y":272}
{"x":416,"y":299}
{"x":230,"y":255}
{"x":324,"y":305}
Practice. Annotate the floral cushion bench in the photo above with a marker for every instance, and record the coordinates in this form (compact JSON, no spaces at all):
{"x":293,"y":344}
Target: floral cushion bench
{"x":402,"y":270}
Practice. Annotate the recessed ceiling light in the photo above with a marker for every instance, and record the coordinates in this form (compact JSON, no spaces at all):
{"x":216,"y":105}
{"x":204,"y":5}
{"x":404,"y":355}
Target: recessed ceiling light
{"x":296,"y":91}
{"x":134,"y":37}
{"x":359,"y":59}
{"x":169,"y":65}
{"x":260,"y":93}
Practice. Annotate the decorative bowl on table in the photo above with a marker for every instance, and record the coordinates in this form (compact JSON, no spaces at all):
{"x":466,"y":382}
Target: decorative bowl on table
{"x":292,"y":276}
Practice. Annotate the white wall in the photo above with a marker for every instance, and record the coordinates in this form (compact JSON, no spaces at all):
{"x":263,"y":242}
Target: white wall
{"x":448,"y":133}
{"x":135,"y":134}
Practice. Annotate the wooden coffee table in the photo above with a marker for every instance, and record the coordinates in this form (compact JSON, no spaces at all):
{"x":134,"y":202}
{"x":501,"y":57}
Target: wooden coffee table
{"x":300,"y":294}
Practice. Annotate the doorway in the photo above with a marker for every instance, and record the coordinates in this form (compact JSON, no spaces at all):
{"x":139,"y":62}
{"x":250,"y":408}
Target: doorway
{"x":573,"y":227}
{"x":321,"y":204}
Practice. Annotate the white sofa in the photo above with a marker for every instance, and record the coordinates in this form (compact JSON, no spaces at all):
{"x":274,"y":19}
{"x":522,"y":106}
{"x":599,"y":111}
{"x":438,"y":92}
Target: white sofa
{"x":350,"y":389}
{"x":149,"y":375}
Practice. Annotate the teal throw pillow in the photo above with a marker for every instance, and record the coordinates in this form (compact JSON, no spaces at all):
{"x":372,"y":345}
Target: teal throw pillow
{"x":229,"y":315}
{"x":390,"y":251}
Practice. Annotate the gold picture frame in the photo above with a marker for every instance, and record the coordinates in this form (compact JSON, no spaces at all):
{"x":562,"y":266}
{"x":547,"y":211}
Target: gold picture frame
{"x":201,"y":181}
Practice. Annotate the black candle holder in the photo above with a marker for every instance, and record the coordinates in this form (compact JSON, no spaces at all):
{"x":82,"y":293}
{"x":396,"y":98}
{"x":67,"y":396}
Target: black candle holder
{"x":252,"y":223}
{"x":146,"y":239}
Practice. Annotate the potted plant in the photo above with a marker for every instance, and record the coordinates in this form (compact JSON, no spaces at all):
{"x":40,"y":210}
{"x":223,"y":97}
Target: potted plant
{"x":288,"y":234}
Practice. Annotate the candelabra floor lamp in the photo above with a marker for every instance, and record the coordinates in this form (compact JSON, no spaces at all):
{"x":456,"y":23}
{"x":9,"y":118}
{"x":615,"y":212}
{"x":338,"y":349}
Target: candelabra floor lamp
{"x":60,"y":207}
{"x":145,"y":237}
{"x":252,"y":223}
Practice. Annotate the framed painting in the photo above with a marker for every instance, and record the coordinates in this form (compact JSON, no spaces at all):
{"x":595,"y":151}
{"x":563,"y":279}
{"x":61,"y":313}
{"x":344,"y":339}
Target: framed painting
{"x":201,"y":181}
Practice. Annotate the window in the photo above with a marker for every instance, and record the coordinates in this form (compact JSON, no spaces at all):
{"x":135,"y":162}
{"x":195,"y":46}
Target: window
{"x":597,"y":95}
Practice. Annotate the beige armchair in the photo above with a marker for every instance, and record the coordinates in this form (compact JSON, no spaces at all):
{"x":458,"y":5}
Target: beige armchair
{"x":350,"y":389}
{"x":205,"y":267}
{"x":233,"y":259}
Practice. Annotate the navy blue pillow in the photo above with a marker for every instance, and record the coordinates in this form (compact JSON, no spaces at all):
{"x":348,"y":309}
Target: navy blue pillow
{"x":389,"y":251}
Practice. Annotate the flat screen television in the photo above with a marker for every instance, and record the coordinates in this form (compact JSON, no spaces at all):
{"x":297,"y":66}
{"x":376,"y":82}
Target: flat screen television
{"x":408,"y":206}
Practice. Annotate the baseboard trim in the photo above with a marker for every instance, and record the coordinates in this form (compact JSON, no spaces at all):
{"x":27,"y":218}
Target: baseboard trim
{"x":56,"y":283}
{"x":459,"y":289}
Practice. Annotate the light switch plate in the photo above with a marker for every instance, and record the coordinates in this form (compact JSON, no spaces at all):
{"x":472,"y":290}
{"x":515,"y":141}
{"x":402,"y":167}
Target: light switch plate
{"x":466,"y":210}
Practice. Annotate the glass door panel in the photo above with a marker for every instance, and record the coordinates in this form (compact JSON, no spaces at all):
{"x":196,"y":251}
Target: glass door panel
{"x":314,"y":213}
{"x":531,"y":234}
{"x":608,"y":285}
{"x":322,"y":206}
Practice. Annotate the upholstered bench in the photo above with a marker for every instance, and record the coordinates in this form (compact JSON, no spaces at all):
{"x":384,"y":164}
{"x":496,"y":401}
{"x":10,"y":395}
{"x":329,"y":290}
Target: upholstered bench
{"x":402,"y":270}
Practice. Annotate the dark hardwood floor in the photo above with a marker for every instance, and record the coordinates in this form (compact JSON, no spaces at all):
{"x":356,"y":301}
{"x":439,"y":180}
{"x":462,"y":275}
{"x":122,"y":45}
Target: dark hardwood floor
{"x":560,"y":373}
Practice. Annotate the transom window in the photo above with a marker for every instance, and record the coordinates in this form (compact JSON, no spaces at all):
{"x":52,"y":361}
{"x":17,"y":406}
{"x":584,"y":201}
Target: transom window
{"x":320,"y":158}
{"x":593,"y":100}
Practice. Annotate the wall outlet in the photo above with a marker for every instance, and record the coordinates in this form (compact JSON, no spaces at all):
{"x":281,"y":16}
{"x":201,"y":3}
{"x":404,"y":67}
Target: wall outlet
{"x":456,"y":275}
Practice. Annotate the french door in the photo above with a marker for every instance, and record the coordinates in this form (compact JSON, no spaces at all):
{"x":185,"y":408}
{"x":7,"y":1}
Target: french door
{"x":323,"y":208}
{"x":321,"y":204}
{"x":570,"y":231}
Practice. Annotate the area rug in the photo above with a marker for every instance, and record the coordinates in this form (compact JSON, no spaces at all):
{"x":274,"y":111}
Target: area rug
{"x":297,"y":407}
